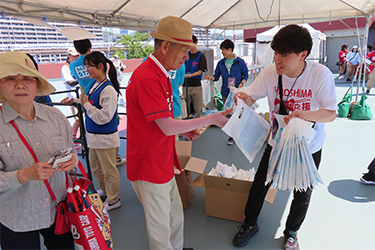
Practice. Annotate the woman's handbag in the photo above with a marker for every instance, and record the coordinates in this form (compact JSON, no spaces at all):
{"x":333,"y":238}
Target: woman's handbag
{"x":62,"y":225}
{"x":344,"y":104}
{"x":362,"y":111}
{"x":339,"y":64}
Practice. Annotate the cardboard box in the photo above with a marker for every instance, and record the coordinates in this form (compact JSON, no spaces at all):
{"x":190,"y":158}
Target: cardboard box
{"x":226,"y":198}
{"x":188,"y":164}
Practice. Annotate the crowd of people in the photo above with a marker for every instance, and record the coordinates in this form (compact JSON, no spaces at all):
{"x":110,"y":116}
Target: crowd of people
{"x":349,"y":62}
{"x":153,"y":125}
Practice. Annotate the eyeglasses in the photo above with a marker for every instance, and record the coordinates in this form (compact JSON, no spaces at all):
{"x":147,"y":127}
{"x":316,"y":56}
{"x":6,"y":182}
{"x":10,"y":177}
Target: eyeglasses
{"x":14,"y":79}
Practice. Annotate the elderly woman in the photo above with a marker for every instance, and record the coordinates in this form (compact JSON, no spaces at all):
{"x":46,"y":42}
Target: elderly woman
{"x":26,"y":208}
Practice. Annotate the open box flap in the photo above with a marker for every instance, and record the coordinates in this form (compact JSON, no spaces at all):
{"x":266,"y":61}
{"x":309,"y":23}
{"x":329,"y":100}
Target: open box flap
{"x":196,"y":165}
{"x":183,"y":148}
{"x":199,"y":181}
{"x":270,"y":196}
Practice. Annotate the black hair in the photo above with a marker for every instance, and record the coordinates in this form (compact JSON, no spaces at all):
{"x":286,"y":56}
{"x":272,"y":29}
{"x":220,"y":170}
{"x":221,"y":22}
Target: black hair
{"x":369,"y":47}
{"x":32,"y":59}
{"x":82,"y":46}
{"x":157,"y":43}
{"x":195,"y":39}
{"x":343,"y":47}
{"x":292,"y":39}
{"x":95,"y":58}
{"x":227,"y":44}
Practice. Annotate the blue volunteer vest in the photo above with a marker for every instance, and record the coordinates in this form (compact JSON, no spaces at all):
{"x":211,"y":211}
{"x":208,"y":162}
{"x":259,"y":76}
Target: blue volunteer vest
{"x":191,"y":65}
{"x":91,"y":126}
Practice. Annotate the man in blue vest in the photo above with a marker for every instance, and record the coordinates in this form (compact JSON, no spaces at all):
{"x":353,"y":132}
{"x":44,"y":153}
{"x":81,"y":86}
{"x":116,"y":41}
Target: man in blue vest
{"x":194,"y":67}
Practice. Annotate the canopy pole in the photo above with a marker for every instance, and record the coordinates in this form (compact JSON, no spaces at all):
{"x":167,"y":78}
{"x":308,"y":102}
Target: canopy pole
{"x":363,"y":53}
{"x":207,"y":37}
{"x":278,"y":18}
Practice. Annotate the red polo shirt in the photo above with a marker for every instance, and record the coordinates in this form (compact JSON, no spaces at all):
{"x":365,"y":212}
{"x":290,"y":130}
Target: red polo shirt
{"x":150,"y":154}
{"x":371,"y":56}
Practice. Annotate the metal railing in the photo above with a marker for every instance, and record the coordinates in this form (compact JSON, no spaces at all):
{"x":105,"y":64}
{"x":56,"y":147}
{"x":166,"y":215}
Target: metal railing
{"x":82,"y":137}
{"x":82,"y":132}
{"x":122,"y":113}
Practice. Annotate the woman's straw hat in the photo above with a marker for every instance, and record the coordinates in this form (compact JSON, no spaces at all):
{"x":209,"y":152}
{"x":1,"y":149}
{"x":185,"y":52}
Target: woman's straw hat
{"x":14,"y":63}
{"x":174,"y":29}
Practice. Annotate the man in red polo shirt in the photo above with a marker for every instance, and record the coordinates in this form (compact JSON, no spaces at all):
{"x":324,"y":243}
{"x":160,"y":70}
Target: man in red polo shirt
{"x":151,"y":153}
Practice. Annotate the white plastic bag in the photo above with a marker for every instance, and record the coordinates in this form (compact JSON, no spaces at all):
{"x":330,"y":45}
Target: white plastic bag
{"x":206,"y":93}
{"x":248,"y":129}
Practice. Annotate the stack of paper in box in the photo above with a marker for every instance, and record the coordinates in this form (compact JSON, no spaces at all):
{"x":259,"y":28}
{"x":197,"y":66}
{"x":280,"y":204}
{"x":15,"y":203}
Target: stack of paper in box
{"x":227,"y":190}
{"x":223,"y":170}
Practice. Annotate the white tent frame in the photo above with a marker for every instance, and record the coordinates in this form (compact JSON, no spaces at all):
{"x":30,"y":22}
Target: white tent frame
{"x":228,"y":14}
{"x":143,"y":15}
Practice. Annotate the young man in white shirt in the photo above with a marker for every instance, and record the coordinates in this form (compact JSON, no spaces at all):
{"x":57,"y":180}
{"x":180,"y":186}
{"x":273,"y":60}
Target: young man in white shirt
{"x":307,"y":92}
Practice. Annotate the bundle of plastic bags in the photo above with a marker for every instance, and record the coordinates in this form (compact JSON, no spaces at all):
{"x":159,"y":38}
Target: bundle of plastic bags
{"x":291,"y":164}
{"x":223,"y":170}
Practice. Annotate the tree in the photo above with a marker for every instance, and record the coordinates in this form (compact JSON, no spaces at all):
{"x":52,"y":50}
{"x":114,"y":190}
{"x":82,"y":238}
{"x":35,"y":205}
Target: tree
{"x":135,"y":45}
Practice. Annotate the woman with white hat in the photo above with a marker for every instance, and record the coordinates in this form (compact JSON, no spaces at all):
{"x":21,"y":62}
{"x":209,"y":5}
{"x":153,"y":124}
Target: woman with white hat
{"x":352,"y":61}
{"x":70,"y":82}
{"x":26,"y":207}
{"x":120,"y":66}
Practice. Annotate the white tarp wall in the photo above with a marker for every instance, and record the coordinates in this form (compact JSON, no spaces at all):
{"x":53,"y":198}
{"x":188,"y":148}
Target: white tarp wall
{"x":264,"y":53}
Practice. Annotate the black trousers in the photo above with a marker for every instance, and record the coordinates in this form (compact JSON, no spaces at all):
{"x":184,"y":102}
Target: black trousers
{"x":30,"y":240}
{"x":258,"y":191}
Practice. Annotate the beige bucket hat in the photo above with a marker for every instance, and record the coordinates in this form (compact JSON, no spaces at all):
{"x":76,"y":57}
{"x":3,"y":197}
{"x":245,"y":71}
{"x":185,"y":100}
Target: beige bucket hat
{"x":14,"y":63}
{"x":174,"y":29}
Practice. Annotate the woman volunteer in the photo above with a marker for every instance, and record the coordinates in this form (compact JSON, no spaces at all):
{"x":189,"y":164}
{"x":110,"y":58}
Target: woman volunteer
{"x":26,"y":208}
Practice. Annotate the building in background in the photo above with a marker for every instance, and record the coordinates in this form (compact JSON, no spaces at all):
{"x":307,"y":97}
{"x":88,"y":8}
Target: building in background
{"x":45,"y":43}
